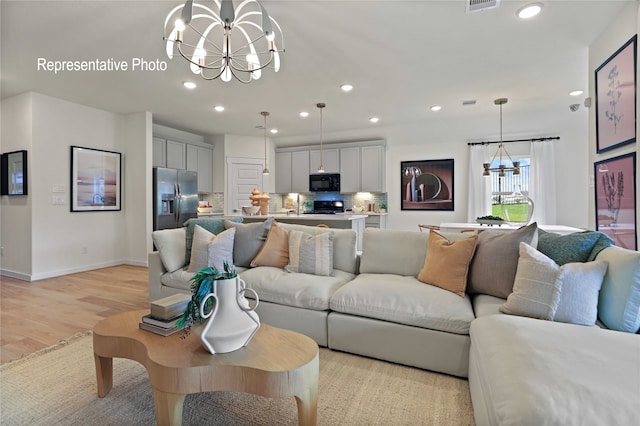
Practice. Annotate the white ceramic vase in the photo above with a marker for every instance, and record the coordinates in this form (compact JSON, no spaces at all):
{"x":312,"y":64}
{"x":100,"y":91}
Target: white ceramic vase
{"x":232,"y":322}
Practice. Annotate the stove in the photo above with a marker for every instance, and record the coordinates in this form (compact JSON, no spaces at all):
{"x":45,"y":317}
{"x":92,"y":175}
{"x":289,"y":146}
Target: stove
{"x":327,"y":207}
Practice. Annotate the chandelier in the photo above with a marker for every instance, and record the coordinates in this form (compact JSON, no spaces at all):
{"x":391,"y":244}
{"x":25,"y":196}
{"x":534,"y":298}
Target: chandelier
{"x":219,"y":41}
{"x":501,"y":168}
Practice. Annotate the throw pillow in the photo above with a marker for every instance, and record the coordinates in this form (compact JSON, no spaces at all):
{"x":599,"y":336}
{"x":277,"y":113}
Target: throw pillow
{"x":310,"y":254}
{"x":446,"y":264}
{"x":171,"y":246}
{"x":544,"y":290}
{"x":494,"y":265}
{"x":536,"y":289}
{"x":214,"y":226}
{"x":619,"y":305}
{"x":275,"y":251}
{"x":200,"y":249}
{"x":248,"y":240}
{"x":575,"y":247}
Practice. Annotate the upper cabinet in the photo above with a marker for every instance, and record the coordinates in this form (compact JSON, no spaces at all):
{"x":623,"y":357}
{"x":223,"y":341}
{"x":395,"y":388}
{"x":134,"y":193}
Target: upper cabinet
{"x":328,"y":157}
{"x":176,"y":155}
{"x":159,"y":152}
{"x":200,"y":159}
{"x":361,"y":166}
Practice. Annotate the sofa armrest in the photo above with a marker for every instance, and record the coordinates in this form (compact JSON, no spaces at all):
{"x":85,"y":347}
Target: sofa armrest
{"x":156,"y":269}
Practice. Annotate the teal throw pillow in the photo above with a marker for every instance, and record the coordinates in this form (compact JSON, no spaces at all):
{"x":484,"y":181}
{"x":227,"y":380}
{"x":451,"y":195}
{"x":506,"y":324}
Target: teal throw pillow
{"x":576,"y":247}
{"x":215,"y":226}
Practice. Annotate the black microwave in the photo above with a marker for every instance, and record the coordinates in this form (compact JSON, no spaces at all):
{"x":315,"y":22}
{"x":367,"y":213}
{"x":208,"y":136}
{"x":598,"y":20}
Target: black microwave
{"x":324,"y":182}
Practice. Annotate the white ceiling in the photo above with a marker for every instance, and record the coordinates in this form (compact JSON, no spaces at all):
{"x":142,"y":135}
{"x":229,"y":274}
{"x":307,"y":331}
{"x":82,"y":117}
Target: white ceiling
{"x":401,"y":56}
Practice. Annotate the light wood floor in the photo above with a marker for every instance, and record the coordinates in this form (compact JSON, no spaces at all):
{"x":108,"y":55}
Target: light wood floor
{"x":38,"y":314}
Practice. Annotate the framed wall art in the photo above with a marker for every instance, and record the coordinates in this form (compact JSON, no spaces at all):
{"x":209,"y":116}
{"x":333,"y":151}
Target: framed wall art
{"x":14,"y":180}
{"x":615,"y":190}
{"x":615,"y":82}
{"x":95,"y":180}
{"x":427,"y":185}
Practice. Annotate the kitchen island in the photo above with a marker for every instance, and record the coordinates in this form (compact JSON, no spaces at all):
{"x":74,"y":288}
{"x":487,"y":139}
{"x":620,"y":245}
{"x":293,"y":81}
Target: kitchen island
{"x":339,"y":221}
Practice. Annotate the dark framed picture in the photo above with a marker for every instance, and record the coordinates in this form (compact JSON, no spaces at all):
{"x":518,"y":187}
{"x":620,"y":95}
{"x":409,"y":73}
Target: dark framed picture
{"x":615,"y":82}
{"x":427,"y":185}
{"x":14,"y":180}
{"x":95,"y":180}
{"x":615,"y":188}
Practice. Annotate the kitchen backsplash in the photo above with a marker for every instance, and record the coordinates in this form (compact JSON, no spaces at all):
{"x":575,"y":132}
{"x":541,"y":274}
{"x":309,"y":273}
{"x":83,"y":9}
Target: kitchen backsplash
{"x":280,"y":201}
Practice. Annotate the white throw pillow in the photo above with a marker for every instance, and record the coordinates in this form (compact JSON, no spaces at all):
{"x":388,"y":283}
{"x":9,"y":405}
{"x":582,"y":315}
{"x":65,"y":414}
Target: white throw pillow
{"x":171,"y":247}
{"x":567,"y":293}
{"x":200,"y":249}
{"x":310,"y":254}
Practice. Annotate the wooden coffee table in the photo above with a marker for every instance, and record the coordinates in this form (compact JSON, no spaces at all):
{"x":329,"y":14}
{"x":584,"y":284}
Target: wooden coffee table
{"x":276,"y":363}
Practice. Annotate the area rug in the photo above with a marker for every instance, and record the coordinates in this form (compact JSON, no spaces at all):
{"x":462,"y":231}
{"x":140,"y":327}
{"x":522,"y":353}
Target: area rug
{"x":58,"y":386}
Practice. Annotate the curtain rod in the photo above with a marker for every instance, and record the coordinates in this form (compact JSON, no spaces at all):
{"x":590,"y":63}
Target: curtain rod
{"x":514,"y":140}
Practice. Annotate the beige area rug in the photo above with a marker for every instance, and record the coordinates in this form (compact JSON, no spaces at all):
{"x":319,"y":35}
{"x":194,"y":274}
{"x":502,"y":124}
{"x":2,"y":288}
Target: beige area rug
{"x":58,"y":386}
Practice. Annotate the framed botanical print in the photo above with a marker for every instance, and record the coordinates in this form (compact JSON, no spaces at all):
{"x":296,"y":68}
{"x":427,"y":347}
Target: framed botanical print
{"x":615,"y":82}
{"x":615,"y":190}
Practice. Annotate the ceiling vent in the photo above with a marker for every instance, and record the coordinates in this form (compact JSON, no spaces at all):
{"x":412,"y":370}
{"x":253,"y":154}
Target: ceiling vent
{"x":478,"y":5}
{"x":469,"y":102}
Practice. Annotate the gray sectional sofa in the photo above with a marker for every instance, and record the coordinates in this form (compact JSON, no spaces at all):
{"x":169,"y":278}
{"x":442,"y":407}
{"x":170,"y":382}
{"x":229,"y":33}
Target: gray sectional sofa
{"x":374,"y":305}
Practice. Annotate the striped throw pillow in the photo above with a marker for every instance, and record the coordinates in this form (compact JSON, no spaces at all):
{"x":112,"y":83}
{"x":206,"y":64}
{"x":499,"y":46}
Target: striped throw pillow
{"x":310,"y":254}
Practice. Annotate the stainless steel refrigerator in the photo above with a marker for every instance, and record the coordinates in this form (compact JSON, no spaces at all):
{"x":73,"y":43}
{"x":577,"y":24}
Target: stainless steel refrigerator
{"x":175,"y":197}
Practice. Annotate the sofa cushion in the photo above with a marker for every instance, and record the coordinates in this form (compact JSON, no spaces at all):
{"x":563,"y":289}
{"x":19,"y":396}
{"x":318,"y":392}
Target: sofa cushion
{"x":575,"y":247}
{"x":248,"y":240}
{"x":215,"y":226}
{"x":544,"y":290}
{"x":525,"y":371}
{"x":310,"y":254}
{"x":293,"y":289}
{"x":494,"y":265}
{"x":209,"y":249}
{"x":180,"y":279}
{"x":275,"y":250}
{"x":344,"y":245}
{"x":619,"y":304}
{"x":171,"y":247}
{"x":387,"y":251}
{"x":484,"y":305}
{"x":447,"y":263}
{"x":404,"y":300}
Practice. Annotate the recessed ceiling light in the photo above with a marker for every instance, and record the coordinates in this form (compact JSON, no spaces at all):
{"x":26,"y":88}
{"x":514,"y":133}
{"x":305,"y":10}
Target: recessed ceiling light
{"x":304,"y":114}
{"x":436,"y":108}
{"x":219,"y":108}
{"x":529,"y":11}
{"x":189,"y":85}
{"x":346,"y":87}
{"x":576,"y":93}
{"x":274,"y":131}
{"x":374,"y":119}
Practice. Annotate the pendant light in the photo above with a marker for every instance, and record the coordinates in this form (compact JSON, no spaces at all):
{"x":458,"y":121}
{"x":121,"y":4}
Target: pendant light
{"x":502,"y":167}
{"x":265,"y":172}
{"x":321,"y":168}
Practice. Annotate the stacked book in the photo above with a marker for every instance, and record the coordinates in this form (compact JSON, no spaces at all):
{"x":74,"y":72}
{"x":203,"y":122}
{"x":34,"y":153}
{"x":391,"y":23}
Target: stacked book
{"x":165,"y":313}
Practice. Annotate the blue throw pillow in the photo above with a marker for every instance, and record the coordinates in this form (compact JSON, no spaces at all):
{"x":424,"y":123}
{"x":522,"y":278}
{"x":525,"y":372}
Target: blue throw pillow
{"x":215,"y":226}
{"x":576,"y":247}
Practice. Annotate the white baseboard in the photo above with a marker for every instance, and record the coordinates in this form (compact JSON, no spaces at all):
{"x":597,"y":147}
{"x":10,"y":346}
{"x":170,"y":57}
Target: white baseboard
{"x":60,"y":272}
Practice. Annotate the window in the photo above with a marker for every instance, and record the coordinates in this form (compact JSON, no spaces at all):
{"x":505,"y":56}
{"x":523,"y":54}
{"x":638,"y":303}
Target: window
{"x":510,"y":193}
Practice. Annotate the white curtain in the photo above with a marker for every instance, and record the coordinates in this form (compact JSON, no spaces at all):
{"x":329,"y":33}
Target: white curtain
{"x":542,"y":187}
{"x":479,"y":203}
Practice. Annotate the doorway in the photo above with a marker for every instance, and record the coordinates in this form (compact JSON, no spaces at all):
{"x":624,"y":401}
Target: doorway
{"x":243,"y":175}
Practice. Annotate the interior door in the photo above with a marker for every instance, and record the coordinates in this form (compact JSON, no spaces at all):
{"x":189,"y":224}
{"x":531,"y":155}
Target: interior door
{"x":244,"y":174}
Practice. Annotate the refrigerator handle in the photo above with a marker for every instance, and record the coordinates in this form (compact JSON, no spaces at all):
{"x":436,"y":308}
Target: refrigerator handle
{"x":176,"y":188}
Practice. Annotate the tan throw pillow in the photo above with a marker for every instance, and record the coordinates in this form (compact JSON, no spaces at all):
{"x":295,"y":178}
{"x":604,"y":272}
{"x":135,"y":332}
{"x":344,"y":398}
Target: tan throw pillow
{"x":447,"y":263}
{"x":208,"y":249}
{"x":275,"y":251}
